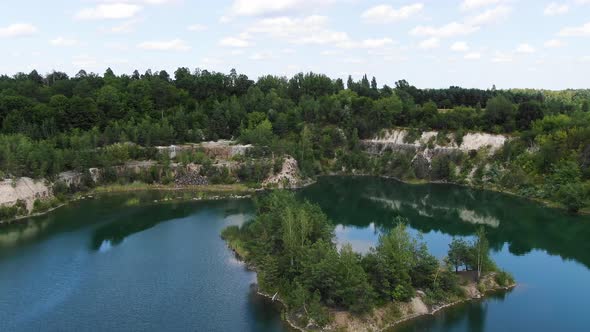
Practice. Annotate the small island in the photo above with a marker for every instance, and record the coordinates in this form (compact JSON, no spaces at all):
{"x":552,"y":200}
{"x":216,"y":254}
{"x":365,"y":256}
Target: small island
{"x":326,"y":288}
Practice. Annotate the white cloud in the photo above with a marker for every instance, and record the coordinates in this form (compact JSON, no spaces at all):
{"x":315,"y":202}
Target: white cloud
{"x":580,"y":31}
{"x":109,"y":11}
{"x":553,"y":43}
{"x":472,"y":56}
{"x":125,"y":27}
{"x":165,"y":45}
{"x":429,"y":44}
{"x":452,"y":29}
{"x":460,"y":47}
{"x":582,"y":2}
{"x":307,"y":30}
{"x":273,"y":7}
{"x":555,"y":8}
{"x":234,"y":42}
{"x":196,"y":27}
{"x":388,"y":14}
{"x":469,"y":25}
{"x":376,"y":43}
{"x":474,"y":4}
{"x":18,"y":30}
{"x":61,"y":41}
{"x":525,"y":48}
{"x":490,"y":16}
{"x":223,"y":19}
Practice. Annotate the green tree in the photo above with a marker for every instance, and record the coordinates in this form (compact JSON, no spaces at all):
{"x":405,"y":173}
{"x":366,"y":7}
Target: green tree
{"x":458,"y":254}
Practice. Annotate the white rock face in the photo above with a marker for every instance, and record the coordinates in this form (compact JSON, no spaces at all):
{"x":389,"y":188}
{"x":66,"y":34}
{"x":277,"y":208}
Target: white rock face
{"x":474,"y":141}
{"x":288,"y":177}
{"x":471,"y":141}
{"x":25,"y":189}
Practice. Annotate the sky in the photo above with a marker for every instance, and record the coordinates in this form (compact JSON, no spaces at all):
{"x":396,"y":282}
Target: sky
{"x":431,"y":43}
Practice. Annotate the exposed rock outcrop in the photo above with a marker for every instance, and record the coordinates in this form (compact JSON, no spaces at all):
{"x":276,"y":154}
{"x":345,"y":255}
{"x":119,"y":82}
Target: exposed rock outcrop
{"x":23,"y":189}
{"x":221,"y":149}
{"x":400,"y":138}
{"x":426,"y":146}
{"x":288,"y":177}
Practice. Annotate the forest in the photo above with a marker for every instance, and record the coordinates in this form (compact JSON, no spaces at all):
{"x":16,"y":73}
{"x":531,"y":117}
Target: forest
{"x":52,"y":123}
{"x":291,"y":245}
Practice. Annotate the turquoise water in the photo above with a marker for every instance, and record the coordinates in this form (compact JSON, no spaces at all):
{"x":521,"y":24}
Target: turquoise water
{"x":98,"y":265}
{"x":107,"y":264}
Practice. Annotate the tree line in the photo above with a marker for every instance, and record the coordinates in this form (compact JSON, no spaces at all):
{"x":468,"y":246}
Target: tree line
{"x":54,"y":122}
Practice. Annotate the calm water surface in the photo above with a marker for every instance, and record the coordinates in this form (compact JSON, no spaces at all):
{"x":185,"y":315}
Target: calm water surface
{"x":108,"y":264}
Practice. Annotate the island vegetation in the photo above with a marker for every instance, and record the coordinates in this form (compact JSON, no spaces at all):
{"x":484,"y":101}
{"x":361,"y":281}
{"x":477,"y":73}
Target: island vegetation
{"x":53,"y":123}
{"x":291,"y":246}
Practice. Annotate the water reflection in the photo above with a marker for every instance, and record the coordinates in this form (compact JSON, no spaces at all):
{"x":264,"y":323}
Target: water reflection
{"x":144,"y":217}
{"x":456,"y":211}
{"x":114,"y":219}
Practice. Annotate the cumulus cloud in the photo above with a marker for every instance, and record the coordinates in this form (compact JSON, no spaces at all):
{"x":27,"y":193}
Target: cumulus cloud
{"x":490,"y":16}
{"x":388,"y":14}
{"x":61,"y":41}
{"x":460,"y":47}
{"x":165,"y":45}
{"x":234,"y":42}
{"x":274,"y":7}
{"x":469,"y":25}
{"x":109,"y":11}
{"x":429,"y":44}
{"x":579,"y":31}
{"x":555,"y":8}
{"x":124,"y":27}
{"x":525,"y":48}
{"x":18,"y":30}
{"x":452,"y":29}
{"x":307,"y":30}
{"x":376,"y":43}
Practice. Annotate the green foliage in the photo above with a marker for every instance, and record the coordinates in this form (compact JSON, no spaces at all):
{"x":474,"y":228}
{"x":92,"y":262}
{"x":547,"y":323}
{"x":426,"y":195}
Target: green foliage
{"x":60,"y":123}
{"x":504,"y":278}
{"x":15,"y":210}
{"x":458,"y":254}
{"x":291,"y":245}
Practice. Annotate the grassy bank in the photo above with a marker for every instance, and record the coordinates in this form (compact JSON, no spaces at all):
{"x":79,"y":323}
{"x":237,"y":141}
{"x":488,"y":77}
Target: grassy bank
{"x":200,"y":192}
{"x":210,"y":188}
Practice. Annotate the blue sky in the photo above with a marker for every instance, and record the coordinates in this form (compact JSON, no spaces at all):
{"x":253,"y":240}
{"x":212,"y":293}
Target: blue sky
{"x":431,"y":43}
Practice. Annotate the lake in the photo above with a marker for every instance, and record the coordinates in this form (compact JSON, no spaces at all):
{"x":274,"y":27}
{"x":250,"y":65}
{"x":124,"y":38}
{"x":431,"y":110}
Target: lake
{"x":114,"y":263}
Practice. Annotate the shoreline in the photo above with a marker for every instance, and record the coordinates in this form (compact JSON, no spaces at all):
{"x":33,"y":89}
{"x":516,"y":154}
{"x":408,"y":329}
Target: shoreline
{"x":408,"y":317}
{"x":544,"y":202}
{"x":227,"y":190}
{"x":211,"y":192}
